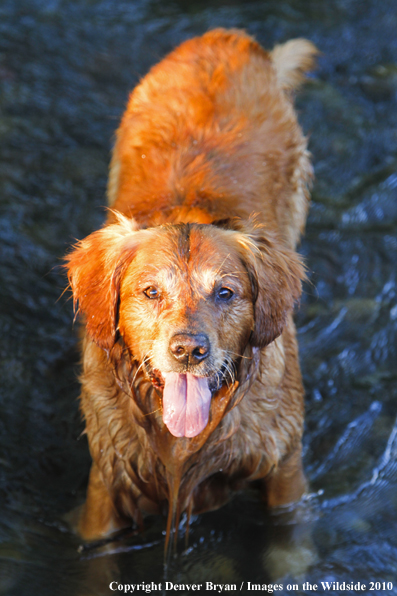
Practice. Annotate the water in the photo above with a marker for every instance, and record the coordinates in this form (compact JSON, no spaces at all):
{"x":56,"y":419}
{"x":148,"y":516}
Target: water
{"x":65,"y":72}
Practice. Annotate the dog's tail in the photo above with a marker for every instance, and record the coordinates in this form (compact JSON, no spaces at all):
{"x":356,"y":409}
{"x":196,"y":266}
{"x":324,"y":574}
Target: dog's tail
{"x":292,"y":60}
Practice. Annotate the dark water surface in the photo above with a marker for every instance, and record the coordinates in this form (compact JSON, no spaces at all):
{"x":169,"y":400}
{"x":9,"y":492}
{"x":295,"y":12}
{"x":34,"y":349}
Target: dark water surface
{"x":65,"y":71}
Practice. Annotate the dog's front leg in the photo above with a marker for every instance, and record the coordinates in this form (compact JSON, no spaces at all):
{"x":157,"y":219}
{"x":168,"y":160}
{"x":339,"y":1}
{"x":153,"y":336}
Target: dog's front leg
{"x":98,"y":518}
{"x":287,"y":482}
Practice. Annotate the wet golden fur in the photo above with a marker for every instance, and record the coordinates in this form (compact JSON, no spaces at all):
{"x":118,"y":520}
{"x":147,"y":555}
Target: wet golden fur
{"x":208,"y":188}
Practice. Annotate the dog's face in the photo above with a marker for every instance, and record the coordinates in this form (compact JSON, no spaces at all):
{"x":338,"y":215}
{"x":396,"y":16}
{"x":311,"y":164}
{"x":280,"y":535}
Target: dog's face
{"x":179,"y":299}
{"x":186,"y":299}
{"x":186,"y":311}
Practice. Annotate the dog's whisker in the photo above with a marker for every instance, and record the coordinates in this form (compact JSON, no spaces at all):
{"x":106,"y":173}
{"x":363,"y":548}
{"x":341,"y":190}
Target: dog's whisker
{"x":145,"y":359}
{"x":221,"y":265}
{"x":153,"y":412}
{"x":227,"y":352}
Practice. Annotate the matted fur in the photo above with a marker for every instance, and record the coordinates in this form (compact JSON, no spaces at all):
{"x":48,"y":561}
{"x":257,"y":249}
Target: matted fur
{"x":209,"y":188}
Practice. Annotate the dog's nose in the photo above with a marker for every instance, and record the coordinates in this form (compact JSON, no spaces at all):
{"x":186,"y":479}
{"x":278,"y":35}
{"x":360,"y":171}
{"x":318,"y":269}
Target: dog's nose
{"x":190,"y":349}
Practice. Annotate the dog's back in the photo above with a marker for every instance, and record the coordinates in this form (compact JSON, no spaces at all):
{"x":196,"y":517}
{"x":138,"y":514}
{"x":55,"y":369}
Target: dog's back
{"x":211,"y":133}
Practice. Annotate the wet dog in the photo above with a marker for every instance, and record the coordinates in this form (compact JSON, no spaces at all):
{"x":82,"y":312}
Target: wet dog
{"x":191,"y":385}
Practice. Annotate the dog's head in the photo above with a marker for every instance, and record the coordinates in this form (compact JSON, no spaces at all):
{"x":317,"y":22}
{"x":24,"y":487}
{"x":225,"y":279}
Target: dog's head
{"x":186,"y":299}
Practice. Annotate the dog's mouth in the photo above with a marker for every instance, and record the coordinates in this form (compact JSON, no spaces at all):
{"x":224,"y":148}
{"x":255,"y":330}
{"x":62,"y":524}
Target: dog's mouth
{"x":186,"y":399}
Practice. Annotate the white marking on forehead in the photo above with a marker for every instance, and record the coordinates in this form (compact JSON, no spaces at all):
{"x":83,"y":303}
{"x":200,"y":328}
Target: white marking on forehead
{"x":179,"y":277}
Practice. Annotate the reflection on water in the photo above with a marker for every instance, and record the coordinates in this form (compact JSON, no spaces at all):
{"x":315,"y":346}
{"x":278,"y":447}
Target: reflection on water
{"x":65,"y":72}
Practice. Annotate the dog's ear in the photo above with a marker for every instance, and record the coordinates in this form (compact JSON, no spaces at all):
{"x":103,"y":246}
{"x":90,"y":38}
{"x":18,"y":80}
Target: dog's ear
{"x":95,"y":268}
{"x":276,"y":273}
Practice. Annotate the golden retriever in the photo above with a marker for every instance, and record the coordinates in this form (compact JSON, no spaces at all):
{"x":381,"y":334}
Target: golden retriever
{"x":191,"y":385}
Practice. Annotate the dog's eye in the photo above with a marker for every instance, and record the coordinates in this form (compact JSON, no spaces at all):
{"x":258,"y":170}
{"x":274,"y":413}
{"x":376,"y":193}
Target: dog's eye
{"x":151,"y":292}
{"x":224,"y":294}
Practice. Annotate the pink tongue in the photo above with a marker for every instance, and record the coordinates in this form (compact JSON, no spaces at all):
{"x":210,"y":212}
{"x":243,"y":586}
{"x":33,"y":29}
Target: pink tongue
{"x":186,"y":404}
